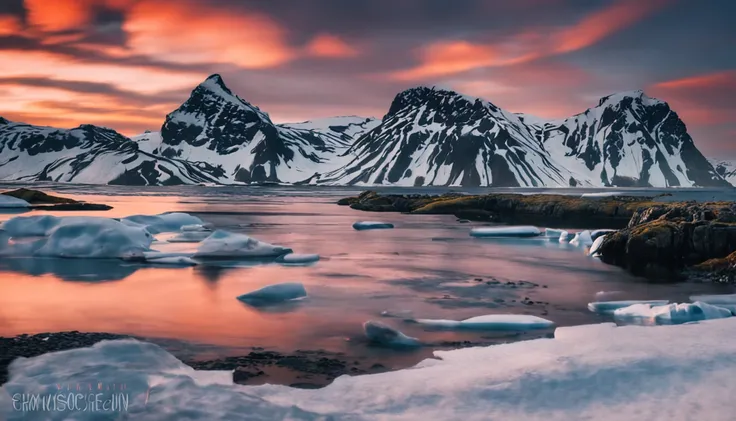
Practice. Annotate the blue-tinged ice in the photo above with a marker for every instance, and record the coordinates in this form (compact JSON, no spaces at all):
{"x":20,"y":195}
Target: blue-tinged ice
{"x":513,"y":231}
{"x":189,"y":237}
{"x":172,"y":261}
{"x":505,"y":322}
{"x":610,"y":306}
{"x":384,"y":335}
{"x":649,"y":314}
{"x":582,"y":239}
{"x":298,"y":259}
{"x":165,"y":222}
{"x":10,"y":202}
{"x":551,"y":232}
{"x":372,"y":225}
{"x":275,"y":294}
{"x":224,"y":244}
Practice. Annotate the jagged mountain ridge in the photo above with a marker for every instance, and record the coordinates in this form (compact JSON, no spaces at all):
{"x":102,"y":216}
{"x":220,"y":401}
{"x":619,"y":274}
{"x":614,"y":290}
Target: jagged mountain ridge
{"x":726,"y":169}
{"x":440,"y":138}
{"x":88,"y":154}
{"x":428,"y":137}
{"x":629,"y":139}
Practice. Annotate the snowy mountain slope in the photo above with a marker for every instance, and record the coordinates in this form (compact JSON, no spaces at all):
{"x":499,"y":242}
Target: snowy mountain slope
{"x":726,"y":169}
{"x":216,"y":126}
{"x":347,"y":128}
{"x":88,"y":154}
{"x":434,"y":137}
{"x":629,"y":139}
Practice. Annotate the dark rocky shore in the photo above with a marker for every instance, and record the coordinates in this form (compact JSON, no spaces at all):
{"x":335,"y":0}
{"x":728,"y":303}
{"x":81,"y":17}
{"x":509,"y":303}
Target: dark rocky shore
{"x":665,"y":242}
{"x":42,"y":201}
{"x":303,"y":369}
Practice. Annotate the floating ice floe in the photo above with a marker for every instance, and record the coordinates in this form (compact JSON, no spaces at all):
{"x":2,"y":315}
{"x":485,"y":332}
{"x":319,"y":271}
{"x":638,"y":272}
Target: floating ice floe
{"x":551,"y":232}
{"x":602,"y":194}
{"x":671,"y":313}
{"x":274,"y":294}
{"x":514,"y":231}
{"x":89,"y":237}
{"x":35,"y":225}
{"x":172,"y":261}
{"x":723,"y":300}
{"x":673,"y":373}
{"x":565,"y":237}
{"x":611,"y":306}
{"x":582,"y":239}
{"x":371,"y":225}
{"x":224,"y":244}
{"x":189,"y":237}
{"x":197,"y":227}
{"x":385,"y":335}
{"x":298,"y":259}
{"x":595,"y":247}
{"x":505,"y":322}
{"x":165,"y":222}
{"x":10,"y":202}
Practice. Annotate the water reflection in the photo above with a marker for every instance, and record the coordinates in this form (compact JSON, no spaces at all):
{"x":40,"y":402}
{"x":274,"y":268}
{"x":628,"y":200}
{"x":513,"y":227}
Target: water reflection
{"x":78,"y":270}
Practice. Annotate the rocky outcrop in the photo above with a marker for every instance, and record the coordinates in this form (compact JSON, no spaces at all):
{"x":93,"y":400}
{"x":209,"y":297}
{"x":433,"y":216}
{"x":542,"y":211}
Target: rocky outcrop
{"x":43,"y":201}
{"x":675,"y":241}
{"x":556,"y":211}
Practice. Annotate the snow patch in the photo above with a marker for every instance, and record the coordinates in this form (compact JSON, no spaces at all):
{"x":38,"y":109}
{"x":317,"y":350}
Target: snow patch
{"x":505,"y":322}
{"x":671,"y":313}
{"x":611,"y":306}
{"x":515,"y":231}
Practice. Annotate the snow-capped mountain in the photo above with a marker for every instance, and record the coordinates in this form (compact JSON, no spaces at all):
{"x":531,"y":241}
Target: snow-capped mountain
{"x":726,"y":169}
{"x":435,"y":137}
{"x":88,"y":154}
{"x":347,"y":128}
{"x":216,"y":126}
{"x":629,"y":139}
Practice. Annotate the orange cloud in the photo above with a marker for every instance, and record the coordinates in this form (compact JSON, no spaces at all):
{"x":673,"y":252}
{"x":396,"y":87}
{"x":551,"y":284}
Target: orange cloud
{"x":603,"y":23}
{"x":330,"y":46}
{"x":445,"y":58}
{"x":719,"y":79}
{"x":9,"y":25}
{"x":193,"y":32}
{"x":58,"y":15}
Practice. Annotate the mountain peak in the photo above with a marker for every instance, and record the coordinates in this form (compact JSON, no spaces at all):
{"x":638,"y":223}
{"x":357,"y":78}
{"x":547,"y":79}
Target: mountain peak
{"x":435,"y":97}
{"x":637,"y":95}
{"x":3,"y":121}
{"x":215,"y":83}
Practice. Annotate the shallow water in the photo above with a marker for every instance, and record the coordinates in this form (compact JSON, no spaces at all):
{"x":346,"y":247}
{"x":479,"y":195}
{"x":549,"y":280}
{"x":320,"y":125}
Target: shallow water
{"x":428,"y":265}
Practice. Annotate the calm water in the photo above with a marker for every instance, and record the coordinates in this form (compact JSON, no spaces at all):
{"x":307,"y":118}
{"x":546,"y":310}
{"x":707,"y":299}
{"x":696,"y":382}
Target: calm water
{"x":427,"y":265}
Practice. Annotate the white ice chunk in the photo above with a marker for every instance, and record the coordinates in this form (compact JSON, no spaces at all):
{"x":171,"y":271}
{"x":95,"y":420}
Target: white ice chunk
{"x":10,"y":202}
{"x":514,"y":231}
{"x":516,"y":322}
{"x":596,"y":246}
{"x":274,"y":294}
{"x":173,"y":261}
{"x":582,"y":238}
{"x":611,"y":306}
{"x":189,"y":237}
{"x":602,"y":194}
{"x":224,"y":244}
{"x":197,"y":227}
{"x":550,"y":232}
{"x":165,"y":222}
{"x":89,"y":237}
{"x":565,"y":237}
{"x":385,"y":335}
{"x":371,"y":225}
{"x":671,"y":313}
{"x":296,"y":259}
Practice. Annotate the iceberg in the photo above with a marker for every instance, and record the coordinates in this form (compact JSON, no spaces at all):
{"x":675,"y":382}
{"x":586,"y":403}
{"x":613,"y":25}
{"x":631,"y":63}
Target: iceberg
{"x":582,"y":238}
{"x":505,"y":322}
{"x":514,"y":231}
{"x":89,"y":237}
{"x":371,"y":225}
{"x":223,"y":244}
{"x":611,"y":306}
{"x":674,"y":373}
{"x":727,"y":301}
{"x":165,"y":222}
{"x":385,"y":335}
{"x":275,"y":294}
{"x":197,"y":227}
{"x":298,"y":259}
{"x":172,"y":261}
{"x":30,"y":226}
{"x":671,"y":313}
{"x":10,"y":202}
{"x":550,"y":232}
{"x":565,"y":237}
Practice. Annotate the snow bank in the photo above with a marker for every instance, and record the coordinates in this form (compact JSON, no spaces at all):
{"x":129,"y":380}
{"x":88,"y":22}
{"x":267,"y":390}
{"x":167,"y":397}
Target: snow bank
{"x":165,"y":222}
{"x":610,"y":306}
{"x":223,"y":244}
{"x":515,"y":231}
{"x":582,"y":239}
{"x":371,"y":225}
{"x":516,"y":322}
{"x":385,"y":335}
{"x":596,"y":372}
{"x":298,"y":259}
{"x":10,"y":202}
{"x":274,"y":294}
{"x":671,"y":313}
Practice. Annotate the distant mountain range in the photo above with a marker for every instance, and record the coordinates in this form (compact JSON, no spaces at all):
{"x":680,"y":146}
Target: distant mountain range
{"x":429,"y":137}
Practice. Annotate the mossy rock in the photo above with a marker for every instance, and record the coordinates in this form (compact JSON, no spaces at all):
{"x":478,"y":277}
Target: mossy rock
{"x":36,"y":197}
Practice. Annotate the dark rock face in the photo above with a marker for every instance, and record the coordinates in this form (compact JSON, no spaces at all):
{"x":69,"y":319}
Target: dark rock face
{"x":661,"y":241}
{"x":43,"y":201}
